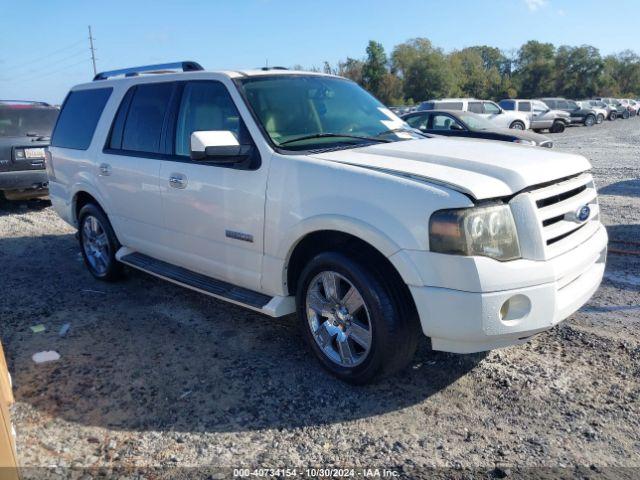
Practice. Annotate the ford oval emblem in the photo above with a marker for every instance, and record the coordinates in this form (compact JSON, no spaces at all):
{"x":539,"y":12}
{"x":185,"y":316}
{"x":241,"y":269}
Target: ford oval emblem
{"x":583,"y":213}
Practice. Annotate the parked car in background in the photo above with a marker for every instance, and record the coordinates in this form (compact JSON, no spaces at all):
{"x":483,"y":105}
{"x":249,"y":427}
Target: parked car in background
{"x":622,"y":111}
{"x":485,"y":108}
{"x":25,"y":130}
{"x":609,"y":108}
{"x":402,"y":109}
{"x":296,"y":192}
{"x":584,"y":116}
{"x":452,"y":123}
{"x":601,"y":113}
{"x":540,"y":115}
{"x":630,"y":105}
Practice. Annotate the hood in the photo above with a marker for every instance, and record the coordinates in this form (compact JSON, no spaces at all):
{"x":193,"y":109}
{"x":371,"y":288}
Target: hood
{"x":560,"y":113}
{"x":479,"y":168}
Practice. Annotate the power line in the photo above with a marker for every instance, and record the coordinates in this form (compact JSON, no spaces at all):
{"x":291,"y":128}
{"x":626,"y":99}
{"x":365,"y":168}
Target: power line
{"x":93,"y":52}
{"x":44,"y":57}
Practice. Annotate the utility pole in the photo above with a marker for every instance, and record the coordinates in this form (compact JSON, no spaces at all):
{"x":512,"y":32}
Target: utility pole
{"x":93,"y":52}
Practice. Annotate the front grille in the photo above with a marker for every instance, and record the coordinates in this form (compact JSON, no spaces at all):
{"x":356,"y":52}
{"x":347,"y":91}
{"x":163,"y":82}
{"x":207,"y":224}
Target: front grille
{"x":557,"y":206}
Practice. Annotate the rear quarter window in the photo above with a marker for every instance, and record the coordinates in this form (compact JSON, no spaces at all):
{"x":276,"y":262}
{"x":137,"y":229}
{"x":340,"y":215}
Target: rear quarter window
{"x":78,"y":118}
{"x":450,"y":105}
{"x":507,"y":104}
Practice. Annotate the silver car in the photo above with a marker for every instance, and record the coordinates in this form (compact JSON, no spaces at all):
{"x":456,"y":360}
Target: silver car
{"x":540,"y":115}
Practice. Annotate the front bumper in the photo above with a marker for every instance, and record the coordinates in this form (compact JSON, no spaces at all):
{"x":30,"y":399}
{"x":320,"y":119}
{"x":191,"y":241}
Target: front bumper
{"x":23,"y":179}
{"x":542,"y":294}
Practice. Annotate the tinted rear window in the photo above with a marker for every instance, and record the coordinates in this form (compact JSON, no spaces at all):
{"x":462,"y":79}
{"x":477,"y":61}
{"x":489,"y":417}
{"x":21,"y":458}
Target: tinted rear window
{"x":426,"y":106}
{"x":79,"y":117}
{"x":143,"y":127}
{"x":18,"y":121}
{"x":507,"y":104}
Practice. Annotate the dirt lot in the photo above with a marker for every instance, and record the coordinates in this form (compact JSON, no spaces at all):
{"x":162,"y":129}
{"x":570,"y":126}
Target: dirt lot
{"x":154,"y":375}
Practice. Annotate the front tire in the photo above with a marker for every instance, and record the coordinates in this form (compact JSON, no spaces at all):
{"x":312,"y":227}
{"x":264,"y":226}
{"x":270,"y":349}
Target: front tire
{"x":517,"y":125}
{"x":599,"y":119}
{"x":557,"y":127}
{"x":613,"y":116}
{"x":625,"y":115}
{"x":351,"y":319}
{"x":589,"y":120}
{"x":98,"y":244}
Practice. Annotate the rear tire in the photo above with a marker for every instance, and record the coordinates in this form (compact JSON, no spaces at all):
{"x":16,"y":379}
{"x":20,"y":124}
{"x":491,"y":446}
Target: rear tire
{"x":98,"y":244}
{"x":599,"y":119}
{"x":625,"y":114}
{"x":557,"y":127}
{"x":357,"y":337}
{"x":517,"y":125}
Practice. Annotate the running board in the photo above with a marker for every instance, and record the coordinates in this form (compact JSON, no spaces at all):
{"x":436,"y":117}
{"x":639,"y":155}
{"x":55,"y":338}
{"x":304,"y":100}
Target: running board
{"x":273,"y":306}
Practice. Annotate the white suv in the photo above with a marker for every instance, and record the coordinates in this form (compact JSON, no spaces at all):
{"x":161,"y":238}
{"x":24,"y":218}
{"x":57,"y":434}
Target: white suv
{"x":292,"y":192}
{"x":485,"y":108}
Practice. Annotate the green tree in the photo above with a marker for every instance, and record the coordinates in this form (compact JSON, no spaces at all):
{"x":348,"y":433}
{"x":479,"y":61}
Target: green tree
{"x":351,"y":69}
{"x":374,"y":68}
{"x":578,"y":71}
{"x":424,"y":70}
{"x":535,"y":69}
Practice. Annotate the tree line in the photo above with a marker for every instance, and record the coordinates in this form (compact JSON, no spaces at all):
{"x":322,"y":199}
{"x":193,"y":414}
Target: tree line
{"x":416,"y":70}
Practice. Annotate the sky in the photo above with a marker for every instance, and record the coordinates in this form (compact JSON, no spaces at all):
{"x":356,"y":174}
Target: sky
{"x":44,"y":46}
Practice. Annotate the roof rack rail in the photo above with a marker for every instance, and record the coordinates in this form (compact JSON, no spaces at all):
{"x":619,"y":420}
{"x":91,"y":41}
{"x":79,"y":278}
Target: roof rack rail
{"x":186,"y":66}
{"x":26,"y":102}
{"x":273,"y":68}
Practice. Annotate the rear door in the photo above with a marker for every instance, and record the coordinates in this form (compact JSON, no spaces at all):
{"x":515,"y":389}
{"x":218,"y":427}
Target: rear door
{"x":129,"y":166}
{"x":541,"y":116}
{"x":214,"y":214}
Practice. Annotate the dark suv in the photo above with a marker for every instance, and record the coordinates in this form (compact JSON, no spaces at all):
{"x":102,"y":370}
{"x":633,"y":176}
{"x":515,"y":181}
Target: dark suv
{"x":25,"y":130}
{"x":585,"y":116}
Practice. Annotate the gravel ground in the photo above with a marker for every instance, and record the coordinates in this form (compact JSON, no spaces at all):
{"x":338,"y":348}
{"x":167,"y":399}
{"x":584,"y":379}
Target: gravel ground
{"x":152,"y":375}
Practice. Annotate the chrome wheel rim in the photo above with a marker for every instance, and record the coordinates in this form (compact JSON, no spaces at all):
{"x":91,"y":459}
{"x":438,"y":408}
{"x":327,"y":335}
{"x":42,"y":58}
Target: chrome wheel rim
{"x":339,"y":319}
{"x":95,"y":244}
{"x":518,"y":126}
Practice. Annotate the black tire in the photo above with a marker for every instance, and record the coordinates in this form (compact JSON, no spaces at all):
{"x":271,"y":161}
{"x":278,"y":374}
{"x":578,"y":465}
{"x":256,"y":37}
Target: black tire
{"x":112,"y":269}
{"x":625,"y":114}
{"x":599,"y":118}
{"x":613,"y":116}
{"x":537,"y":130}
{"x":394,"y":332}
{"x":517,"y":125}
{"x":557,"y":127}
{"x":589,"y":120}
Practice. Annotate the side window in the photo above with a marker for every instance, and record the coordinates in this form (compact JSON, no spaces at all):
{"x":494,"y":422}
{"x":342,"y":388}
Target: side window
{"x":79,"y":117}
{"x":491,"y":108}
{"x":426,"y":106}
{"x":144,"y":120}
{"x":450,"y":105}
{"x":418,"y":121}
{"x":551,"y":103}
{"x":475,"y":107}
{"x":206,"y":105}
{"x":572,"y":105}
{"x":507,"y":104}
{"x":539,"y":107}
{"x":524,"y":106}
{"x":443,"y":122}
{"x":562,"y":104}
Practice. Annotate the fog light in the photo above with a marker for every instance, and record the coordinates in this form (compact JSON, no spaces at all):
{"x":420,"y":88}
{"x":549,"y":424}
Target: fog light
{"x":515,"y":309}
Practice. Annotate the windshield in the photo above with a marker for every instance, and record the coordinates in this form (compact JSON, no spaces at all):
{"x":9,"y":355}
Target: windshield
{"x":305,"y":112}
{"x":475,"y":122}
{"x":18,"y":121}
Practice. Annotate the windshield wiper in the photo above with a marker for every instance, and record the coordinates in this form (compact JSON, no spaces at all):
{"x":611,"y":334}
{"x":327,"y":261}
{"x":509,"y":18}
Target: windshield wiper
{"x":397,"y":130}
{"x":334,"y":135}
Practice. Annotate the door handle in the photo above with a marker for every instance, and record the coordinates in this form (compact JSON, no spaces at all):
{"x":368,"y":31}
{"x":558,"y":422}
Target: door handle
{"x":177,"y":180}
{"x":105,"y":169}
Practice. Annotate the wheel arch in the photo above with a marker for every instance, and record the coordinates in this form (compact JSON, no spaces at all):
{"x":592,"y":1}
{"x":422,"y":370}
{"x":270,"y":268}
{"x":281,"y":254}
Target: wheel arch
{"x":397,"y":275}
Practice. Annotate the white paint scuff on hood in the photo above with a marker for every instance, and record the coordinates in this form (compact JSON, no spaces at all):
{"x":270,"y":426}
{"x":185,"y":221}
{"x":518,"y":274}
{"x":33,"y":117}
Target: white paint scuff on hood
{"x":483,"y":169}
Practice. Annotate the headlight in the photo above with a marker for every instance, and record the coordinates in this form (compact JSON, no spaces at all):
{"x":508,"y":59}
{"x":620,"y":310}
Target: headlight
{"x":484,"y":231}
{"x":524,"y":142}
{"x":19,"y":153}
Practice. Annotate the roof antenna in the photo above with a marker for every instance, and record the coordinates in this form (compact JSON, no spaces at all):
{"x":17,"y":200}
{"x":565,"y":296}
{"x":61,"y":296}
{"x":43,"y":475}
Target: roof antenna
{"x":266,"y":64}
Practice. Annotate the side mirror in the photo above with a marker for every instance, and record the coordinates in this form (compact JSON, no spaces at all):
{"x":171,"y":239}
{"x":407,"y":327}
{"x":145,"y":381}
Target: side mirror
{"x":218,"y":146}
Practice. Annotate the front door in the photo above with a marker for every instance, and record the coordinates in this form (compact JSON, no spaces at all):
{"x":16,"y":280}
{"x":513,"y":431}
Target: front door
{"x":213,"y":213}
